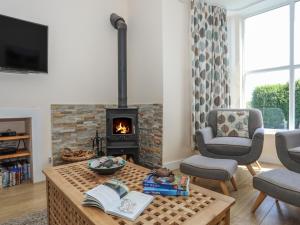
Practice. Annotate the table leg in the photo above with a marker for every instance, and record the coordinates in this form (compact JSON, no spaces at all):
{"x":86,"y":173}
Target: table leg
{"x":227,"y":218}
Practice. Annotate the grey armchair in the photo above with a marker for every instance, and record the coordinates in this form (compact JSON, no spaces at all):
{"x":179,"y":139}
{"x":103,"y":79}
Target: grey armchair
{"x":282,"y":184}
{"x":288,"y":149}
{"x":244,"y":150}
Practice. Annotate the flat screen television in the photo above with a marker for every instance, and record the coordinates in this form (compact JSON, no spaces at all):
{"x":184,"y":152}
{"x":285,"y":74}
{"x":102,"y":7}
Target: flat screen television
{"x":23,"y":45}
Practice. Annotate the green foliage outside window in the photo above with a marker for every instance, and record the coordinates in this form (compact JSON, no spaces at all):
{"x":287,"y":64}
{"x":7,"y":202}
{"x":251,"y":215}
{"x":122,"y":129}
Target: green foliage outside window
{"x":273,"y":101}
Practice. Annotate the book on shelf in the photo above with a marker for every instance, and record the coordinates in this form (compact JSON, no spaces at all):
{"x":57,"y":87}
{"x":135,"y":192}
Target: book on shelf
{"x":14,"y":173}
{"x":1,"y":177}
{"x":180,"y":183}
{"x":165,"y":192}
{"x":114,"y":198}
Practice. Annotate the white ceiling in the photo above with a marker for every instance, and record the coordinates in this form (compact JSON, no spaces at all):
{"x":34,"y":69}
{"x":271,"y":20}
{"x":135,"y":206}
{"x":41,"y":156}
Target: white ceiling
{"x":235,"y":5}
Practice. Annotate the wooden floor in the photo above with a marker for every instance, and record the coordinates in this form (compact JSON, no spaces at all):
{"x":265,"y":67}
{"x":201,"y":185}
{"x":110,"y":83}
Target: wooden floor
{"x":23,"y":199}
{"x":269,"y":213}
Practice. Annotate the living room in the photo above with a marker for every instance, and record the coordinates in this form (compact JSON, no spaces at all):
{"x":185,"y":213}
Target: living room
{"x":156,"y":84}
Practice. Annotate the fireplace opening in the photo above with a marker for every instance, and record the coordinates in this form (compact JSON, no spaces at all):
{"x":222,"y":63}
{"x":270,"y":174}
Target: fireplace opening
{"x":122,"y":125}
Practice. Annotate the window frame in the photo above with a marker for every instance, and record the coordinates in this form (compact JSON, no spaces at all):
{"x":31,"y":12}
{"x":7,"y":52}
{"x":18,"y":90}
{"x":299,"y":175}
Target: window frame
{"x":291,"y":67}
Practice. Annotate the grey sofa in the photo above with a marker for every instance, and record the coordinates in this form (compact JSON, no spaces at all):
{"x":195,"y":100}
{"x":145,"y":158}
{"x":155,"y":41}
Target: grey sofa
{"x":282,"y":184}
{"x":244,"y":150}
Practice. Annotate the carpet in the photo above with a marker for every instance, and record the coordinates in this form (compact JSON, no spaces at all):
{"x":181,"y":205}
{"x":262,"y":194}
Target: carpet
{"x":36,"y":218}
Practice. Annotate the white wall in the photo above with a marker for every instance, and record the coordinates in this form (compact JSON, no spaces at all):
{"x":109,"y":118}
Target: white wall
{"x":82,"y":58}
{"x":145,"y":73}
{"x":158,"y":64}
{"x":176,"y":81}
{"x":269,"y":153}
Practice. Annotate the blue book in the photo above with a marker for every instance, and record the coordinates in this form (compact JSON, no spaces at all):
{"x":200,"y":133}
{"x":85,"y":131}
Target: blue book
{"x":29,"y":171}
{"x":25,"y":174}
{"x":165,"y":192}
{"x":180,"y":183}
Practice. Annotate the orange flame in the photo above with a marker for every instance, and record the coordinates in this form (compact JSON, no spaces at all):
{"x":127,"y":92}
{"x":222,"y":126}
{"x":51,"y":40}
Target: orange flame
{"x":122,"y":128}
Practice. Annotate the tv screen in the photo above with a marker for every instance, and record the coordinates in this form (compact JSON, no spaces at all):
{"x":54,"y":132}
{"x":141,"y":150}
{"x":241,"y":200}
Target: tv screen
{"x":23,"y":45}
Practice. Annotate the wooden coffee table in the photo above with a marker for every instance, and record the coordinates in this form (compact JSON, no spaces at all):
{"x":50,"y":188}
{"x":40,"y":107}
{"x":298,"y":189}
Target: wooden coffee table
{"x":66,"y":185}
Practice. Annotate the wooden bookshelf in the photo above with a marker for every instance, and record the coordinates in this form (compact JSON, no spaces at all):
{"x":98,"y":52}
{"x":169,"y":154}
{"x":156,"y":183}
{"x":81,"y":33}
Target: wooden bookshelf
{"x":22,"y":142}
{"x":18,"y":154}
{"x":15,"y":138}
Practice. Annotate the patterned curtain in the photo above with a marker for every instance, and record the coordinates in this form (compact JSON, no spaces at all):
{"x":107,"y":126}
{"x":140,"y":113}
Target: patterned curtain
{"x":209,"y":61}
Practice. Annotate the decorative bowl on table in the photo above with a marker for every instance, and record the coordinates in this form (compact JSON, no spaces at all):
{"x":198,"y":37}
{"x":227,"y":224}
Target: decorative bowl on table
{"x":106,"y":165}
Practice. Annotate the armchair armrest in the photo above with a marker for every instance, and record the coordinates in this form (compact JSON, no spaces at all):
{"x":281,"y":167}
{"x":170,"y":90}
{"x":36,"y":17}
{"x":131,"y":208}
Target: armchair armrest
{"x":257,"y":144}
{"x":258,"y":134}
{"x":202,"y":137}
{"x":288,"y":139}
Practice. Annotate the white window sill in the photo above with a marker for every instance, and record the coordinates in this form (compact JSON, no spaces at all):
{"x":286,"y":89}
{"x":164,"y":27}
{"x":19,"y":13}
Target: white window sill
{"x":273,"y":131}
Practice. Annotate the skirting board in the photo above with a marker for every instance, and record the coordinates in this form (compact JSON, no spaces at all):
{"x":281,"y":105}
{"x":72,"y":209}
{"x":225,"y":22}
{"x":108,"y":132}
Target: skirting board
{"x":269,"y":159}
{"x":174,"y":165}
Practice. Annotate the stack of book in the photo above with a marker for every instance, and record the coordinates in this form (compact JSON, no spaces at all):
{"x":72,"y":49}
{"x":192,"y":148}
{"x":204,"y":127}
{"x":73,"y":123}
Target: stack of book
{"x":14,"y":173}
{"x":179,"y":187}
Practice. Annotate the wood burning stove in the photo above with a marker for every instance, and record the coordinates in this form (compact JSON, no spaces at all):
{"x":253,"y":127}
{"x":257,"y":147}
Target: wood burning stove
{"x":122,"y":132}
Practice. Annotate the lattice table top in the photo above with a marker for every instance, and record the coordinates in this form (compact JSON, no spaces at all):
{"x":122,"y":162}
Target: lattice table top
{"x":201,"y":206}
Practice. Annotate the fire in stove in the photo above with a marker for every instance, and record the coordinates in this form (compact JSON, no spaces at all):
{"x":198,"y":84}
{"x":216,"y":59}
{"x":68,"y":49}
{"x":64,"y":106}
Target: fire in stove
{"x":122,"y":126}
{"x":123,"y":129}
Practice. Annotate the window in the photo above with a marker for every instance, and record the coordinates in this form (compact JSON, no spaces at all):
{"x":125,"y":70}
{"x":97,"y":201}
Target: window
{"x":297,"y":98}
{"x":297,"y":33}
{"x":271,"y":70}
{"x":269,"y":91}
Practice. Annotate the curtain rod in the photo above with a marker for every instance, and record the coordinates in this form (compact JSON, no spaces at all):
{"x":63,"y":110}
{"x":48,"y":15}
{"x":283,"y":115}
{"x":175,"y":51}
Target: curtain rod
{"x":228,"y":9}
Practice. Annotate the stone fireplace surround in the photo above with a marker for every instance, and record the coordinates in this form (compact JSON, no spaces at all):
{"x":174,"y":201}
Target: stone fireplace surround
{"x":73,"y":126}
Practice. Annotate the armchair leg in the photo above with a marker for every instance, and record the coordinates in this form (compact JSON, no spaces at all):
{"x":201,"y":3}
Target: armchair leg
{"x":261,"y":197}
{"x":224,"y":188}
{"x":233,"y":182}
{"x":258,"y":165}
{"x":251,"y":170}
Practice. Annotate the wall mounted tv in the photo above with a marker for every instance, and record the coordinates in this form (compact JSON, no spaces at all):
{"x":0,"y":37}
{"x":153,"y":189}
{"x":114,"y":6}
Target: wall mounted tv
{"x":23,"y":46}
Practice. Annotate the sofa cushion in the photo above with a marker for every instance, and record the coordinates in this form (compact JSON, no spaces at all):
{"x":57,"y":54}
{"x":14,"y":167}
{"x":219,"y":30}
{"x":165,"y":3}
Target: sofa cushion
{"x":209,"y":168}
{"x":281,"y":184}
{"x":231,"y":146}
{"x":232,"y":124}
{"x":295,"y":154}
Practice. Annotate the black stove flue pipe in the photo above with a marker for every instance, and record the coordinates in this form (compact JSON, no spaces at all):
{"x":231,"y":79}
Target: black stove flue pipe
{"x":119,"y":23}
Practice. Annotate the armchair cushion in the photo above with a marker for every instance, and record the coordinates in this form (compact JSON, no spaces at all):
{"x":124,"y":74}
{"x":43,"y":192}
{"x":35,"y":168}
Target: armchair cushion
{"x":255,"y":119}
{"x":281,"y":184}
{"x":232,"y":123}
{"x":295,"y":153}
{"x":229,"y":146}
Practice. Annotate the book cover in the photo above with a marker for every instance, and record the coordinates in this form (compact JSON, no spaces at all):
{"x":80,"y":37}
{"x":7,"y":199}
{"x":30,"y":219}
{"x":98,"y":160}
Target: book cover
{"x":25,"y":174}
{"x":5,"y":178}
{"x":114,"y":198}
{"x":28,"y":171}
{"x":1,"y":170}
{"x":165,"y":192}
{"x":180,"y":183}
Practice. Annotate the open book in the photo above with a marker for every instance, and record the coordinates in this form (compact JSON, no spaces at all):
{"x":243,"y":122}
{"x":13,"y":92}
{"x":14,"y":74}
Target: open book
{"x":114,"y":198}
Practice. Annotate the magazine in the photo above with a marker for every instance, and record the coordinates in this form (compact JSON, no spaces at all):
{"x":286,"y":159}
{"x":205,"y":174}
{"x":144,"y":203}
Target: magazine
{"x":114,"y":198}
{"x":180,"y":183}
{"x":165,"y":192}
